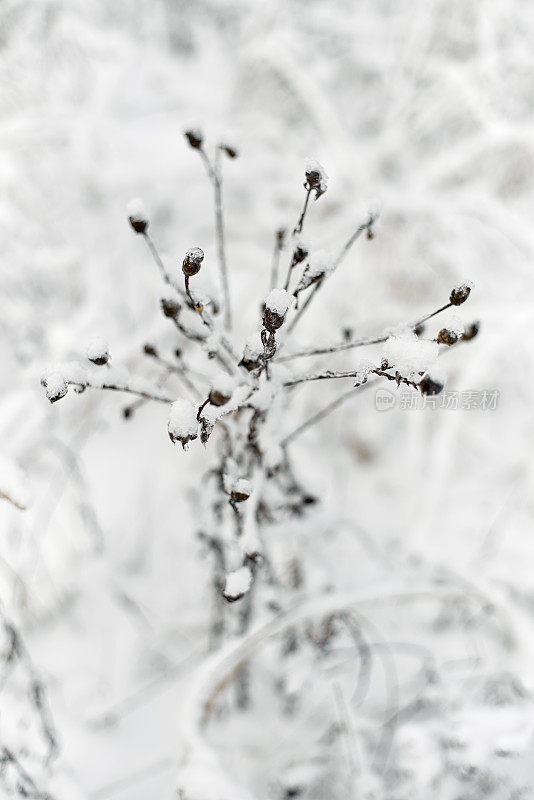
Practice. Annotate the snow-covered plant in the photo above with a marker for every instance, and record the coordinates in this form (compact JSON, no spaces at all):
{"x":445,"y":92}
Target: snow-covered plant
{"x":236,"y":398}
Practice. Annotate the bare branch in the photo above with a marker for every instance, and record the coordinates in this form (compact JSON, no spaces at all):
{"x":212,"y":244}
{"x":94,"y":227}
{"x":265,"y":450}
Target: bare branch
{"x":321,"y":414}
{"x":298,"y":227}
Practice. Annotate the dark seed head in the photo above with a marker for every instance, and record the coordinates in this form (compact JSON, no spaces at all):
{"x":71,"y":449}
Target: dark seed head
{"x":240,"y":493}
{"x":100,"y":360}
{"x":137,"y":216}
{"x":430,"y":386}
{"x":299,"y":254}
{"x":470,"y":332}
{"x":150,"y":350}
{"x":217,"y":398}
{"x":139,"y":225}
{"x":445,"y":336}
{"x":230,"y":151}
{"x":272,"y":320}
{"x":313,"y":178}
{"x":192,"y":261}
{"x":194,"y":138}
{"x":460,"y":294}
{"x":170,"y":308}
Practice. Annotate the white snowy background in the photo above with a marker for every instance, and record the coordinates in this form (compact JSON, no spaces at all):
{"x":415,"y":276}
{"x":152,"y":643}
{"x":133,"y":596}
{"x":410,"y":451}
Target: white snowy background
{"x":427,"y":106}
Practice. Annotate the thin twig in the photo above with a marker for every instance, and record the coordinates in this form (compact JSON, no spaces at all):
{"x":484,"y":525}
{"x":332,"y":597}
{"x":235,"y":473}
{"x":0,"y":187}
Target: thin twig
{"x":298,"y":227}
{"x":320,"y":415}
{"x":321,"y":376}
{"x":339,"y":258}
{"x":278,"y":244}
{"x":215,"y":176}
{"x":336,"y":348}
{"x":307,"y":302}
{"x":160,"y":398}
{"x":161,"y":266}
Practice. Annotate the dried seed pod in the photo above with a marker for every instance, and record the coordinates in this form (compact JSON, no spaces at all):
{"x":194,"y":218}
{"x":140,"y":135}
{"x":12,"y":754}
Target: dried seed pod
{"x":316,"y":177}
{"x":241,"y":491}
{"x":56,"y":386}
{"x":221,"y":390}
{"x":230,"y":151}
{"x":150,"y":350}
{"x":170,"y":308}
{"x":446,"y":336}
{"x":182,"y":425}
{"x":299,"y":254}
{"x":137,"y":215}
{"x":195,"y":139}
{"x":192,"y":261}
{"x":429,"y":385}
{"x":237,"y":584}
{"x":206,"y":429}
{"x":470,"y":332}
{"x":276,"y":306}
{"x":460,"y":294}
{"x":98,"y":352}
{"x":252,"y":353}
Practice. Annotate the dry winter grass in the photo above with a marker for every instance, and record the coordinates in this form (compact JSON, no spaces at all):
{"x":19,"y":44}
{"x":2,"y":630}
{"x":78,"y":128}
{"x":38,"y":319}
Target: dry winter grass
{"x":393,"y":657}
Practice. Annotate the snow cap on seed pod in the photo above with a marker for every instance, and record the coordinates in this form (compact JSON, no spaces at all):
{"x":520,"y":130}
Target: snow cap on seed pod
{"x":276,"y":305}
{"x":447,"y":336}
{"x":183,"y":424}
{"x":241,"y":490}
{"x":56,"y":386}
{"x":252,"y":352}
{"x":192,"y":261}
{"x":237,"y":584}
{"x":137,"y":215}
{"x":316,"y":177}
{"x":460,"y":293}
{"x":221,"y":390}
{"x":98,"y":351}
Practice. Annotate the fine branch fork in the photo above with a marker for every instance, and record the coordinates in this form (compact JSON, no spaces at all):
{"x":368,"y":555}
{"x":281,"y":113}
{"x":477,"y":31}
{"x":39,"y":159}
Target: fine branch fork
{"x":247,"y":396}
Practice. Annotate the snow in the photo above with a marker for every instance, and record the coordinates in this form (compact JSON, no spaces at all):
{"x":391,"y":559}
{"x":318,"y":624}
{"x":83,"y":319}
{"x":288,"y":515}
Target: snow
{"x":223,"y":383}
{"x":98,"y":349}
{"x":237,"y":583}
{"x":136,"y":210}
{"x":408,"y":353}
{"x":428,"y":107}
{"x":13,"y":483}
{"x":253,"y":347}
{"x":311,"y":165}
{"x":320,"y":263}
{"x":208,"y":781}
{"x":182,"y":424}
{"x":278,"y":301}
{"x":242,"y":487}
{"x":56,"y":386}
